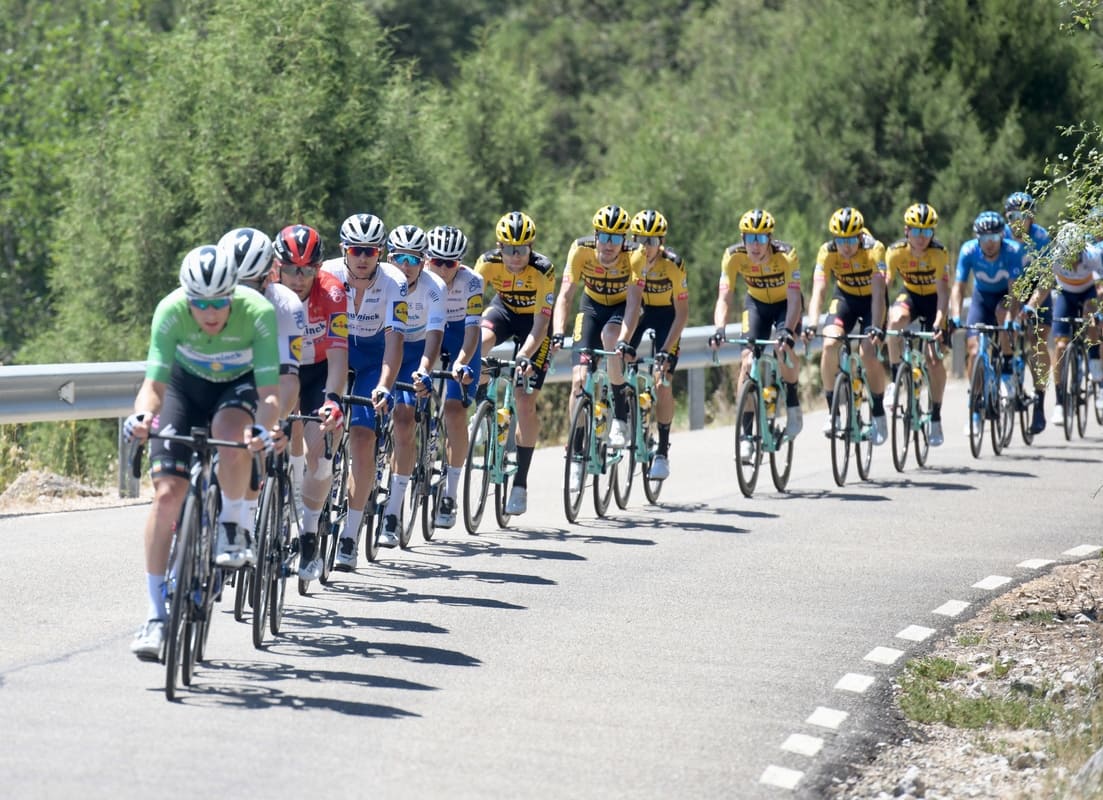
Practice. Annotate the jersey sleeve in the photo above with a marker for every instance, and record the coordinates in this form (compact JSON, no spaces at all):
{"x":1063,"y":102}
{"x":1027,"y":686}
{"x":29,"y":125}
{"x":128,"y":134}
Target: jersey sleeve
{"x":266,"y":348}
{"x":162,"y":340}
{"x":474,"y":313}
{"x":397,"y":307}
{"x":544,"y":298}
{"x":728,"y":271}
{"x":792,"y":270}
{"x":436,"y":317}
{"x":572,"y":272}
{"x":961,"y":274}
{"x":822,"y":272}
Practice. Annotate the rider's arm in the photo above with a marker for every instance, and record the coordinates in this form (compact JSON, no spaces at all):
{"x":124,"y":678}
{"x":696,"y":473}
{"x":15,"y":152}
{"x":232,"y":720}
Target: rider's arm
{"x":681,"y":317}
{"x":633,"y":304}
{"x":150,"y":396}
{"x":572,"y":274}
{"x":392,"y":358}
{"x":535,"y":336}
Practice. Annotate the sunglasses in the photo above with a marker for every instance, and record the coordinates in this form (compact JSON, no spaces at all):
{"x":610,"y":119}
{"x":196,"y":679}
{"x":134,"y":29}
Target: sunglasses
{"x":515,"y":249}
{"x":846,"y":240}
{"x":921,"y":233}
{"x":295,"y":269}
{"x":610,"y":238}
{"x":1016,"y":215}
{"x":990,"y":237}
{"x":406,"y":259}
{"x":203,"y":303}
{"x":648,"y":241}
{"x":444,"y":263}
{"x":758,"y":238}
{"x":362,"y":250}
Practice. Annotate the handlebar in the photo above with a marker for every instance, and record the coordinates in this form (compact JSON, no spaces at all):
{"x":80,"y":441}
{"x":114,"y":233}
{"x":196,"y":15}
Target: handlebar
{"x":199,"y":440}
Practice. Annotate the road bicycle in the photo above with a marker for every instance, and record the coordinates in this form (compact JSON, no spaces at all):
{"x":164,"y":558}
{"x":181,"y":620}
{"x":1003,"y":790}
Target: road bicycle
{"x":1074,"y":383}
{"x":492,"y":444}
{"x":851,"y":412}
{"x":911,"y":411}
{"x":588,"y":448}
{"x":193,"y":582}
{"x":1022,"y":384}
{"x":760,"y":419}
{"x":426,"y":486}
{"x":988,"y":401}
{"x":642,"y":435}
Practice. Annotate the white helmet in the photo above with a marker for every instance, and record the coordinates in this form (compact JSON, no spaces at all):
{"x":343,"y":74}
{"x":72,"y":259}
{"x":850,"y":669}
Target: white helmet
{"x":250,"y":252}
{"x":407,"y":237}
{"x":207,"y":271}
{"x":363,"y":229}
{"x":446,"y":241}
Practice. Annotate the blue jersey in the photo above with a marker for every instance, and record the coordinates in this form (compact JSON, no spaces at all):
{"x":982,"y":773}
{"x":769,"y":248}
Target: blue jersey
{"x":1036,"y":238}
{"x":991,"y":277}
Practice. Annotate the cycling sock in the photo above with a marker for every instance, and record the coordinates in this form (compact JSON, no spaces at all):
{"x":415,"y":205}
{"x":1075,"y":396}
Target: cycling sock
{"x":310,"y":518}
{"x":524,"y":460}
{"x":620,"y":402}
{"x":1007,"y":368}
{"x":352,"y":522}
{"x":398,"y":493}
{"x":664,"y":438}
{"x":232,"y":510}
{"x":155,"y":587}
{"x":879,"y":405}
{"x":791,"y":396}
{"x":936,"y":412}
{"x":452,"y":482}
{"x":895,"y":370}
{"x":248,"y":519}
{"x":298,"y":469}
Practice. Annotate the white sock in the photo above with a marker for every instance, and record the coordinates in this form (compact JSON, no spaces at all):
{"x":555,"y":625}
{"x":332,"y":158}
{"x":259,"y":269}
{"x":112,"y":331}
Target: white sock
{"x":155,"y":588}
{"x":310,"y":518}
{"x":232,"y":510}
{"x":352,"y":522}
{"x":452,"y":482}
{"x":398,"y":494}
{"x":248,"y":519}
{"x":298,"y":469}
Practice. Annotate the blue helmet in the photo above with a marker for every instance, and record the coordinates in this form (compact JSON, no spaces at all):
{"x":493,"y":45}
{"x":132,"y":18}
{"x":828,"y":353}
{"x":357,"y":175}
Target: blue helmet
{"x":988,"y":222}
{"x":1019,"y":201}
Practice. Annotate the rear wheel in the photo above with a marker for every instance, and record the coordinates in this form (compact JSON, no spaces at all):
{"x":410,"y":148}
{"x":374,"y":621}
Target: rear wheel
{"x":863,"y":445}
{"x":976,"y":406}
{"x":502,"y":490}
{"x":625,"y":469}
{"x":1024,"y":387}
{"x":417,"y":490}
{"x":579,"y":434}
{"x":178,"y":584}
{"x":841,"y":402}
{"x":921,"y":426}
{"x":604,"y":480}
{"x":268,"y":563}
{"x":781,"y":457}
{"x":281,"y":559}
{"x":748,"y":442}
{"x":651,"y":488}
{"x":901,"y":420}
{"x":379,"y":495}
{"x":476,"y":470}
{"x":438,"y":474}
{"x":1068,"y":386}
{"x":243,"y":590}
{"x":1083,"y":391}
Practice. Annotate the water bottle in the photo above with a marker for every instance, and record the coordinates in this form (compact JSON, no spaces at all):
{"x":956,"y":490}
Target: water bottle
{"x":769,"y":394}
{"x":645,"y":400}
{"x":504,"y":417}
{"x":917,"y":377}
{"x":601,"y":415}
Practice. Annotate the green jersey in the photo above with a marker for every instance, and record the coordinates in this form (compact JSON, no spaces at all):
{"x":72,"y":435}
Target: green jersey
{"x":248,"y":342}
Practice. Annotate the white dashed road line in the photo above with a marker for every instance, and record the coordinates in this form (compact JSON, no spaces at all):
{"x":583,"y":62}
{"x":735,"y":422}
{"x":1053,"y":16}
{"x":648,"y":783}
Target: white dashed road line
{"x":803,"y":744}
{"x":992,"y":582}
{"x":1035,"y":563}
{"x":830,"y":718}
{"x":915,"y":633}
{"x":951,"y":608}
{"x":853,"y":682}
{"x":1082,"y":550}
{"x":883,"y":655}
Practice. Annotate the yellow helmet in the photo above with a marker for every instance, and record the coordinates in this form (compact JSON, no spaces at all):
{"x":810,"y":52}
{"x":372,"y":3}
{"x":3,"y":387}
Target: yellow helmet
{"x":611,"y":219}
{"x":649,"y":223}
{"x":846,"y":221}
{"x":516,"y":228}
{"x":756,"y":220}
{"x":920,"y":215}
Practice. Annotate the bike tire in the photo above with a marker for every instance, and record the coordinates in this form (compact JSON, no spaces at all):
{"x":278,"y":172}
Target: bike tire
{"x":243,"y":590}
{"x":267,"y":533}
{"x":501,"y":495}
{"x":902,"y":420}
{"x":921,"y":420}
{"x":178,"y":585}
{"x":283,"y":558}
{"x":579,"y":435}
{"x":863,"y":444}
{"x":840,"y":411}
{"x":604,"y":479}
{"x":651,"y":489}
{"x":1025,"y":400}
{"x":748,"y":403}
{"x":1083,"y":390}
{"x":477,"y":467}
{"x":976,"y":406}
{"x":625,"y":468}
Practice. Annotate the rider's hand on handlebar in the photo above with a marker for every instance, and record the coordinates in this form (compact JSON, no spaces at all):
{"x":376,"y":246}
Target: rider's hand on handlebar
{"x":785,"y":338}
{"x":626,"y":350}
{"x":136,"y":427}
{"x":332,"y":415}
{"x":718,"y":339}
{"x":556,"y":341}
{"x":463,"y":374}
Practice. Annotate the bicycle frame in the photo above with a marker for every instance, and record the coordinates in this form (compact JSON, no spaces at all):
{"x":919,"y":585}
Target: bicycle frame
{"x":912,"y":411}
{"x":985,"y":402}
{"x":762,"y":395}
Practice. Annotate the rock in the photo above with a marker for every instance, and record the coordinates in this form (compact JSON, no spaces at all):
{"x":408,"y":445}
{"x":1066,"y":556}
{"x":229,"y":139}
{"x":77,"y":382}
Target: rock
{"x":34,"y":485}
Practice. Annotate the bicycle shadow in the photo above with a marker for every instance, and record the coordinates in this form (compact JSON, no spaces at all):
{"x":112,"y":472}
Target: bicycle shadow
{"x":685,"y":526}
{"x":991,"y":472}
{"x":911,"y":483}
{"x":484,"y":546}
{"x":822,"y":494}
{"x":712,"y":508}
{"x":433,"y":569}
{"x":384,"y":593}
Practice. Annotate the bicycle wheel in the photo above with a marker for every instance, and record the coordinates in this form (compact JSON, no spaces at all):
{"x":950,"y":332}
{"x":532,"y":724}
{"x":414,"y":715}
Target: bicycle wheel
{"x":625,"y":469}
{"x":579,"y":434}
{"x":604,"y":480}
{"x":243,"y":591}
{"x":417,"y":489}
{"x":746,"y":470}
{"x":502,"y":489}
{"x":651,"y":489}
{"x":281,"y":557}
{"x":921,"y":419}
{"x":1067,"y":383}
{"x":1095,"y":390}
{"x":1083,"y":390}
{"x":1024,"y":400}
{"x":178,"y":585}
{"x":902,"y":420}
{"x":267,"y":538}
{"x":335,"y":510}
{"x":438,"y":474}
{"x":841,"y":403}
{"x":863,"y":444}
{"x":376,"y":508}
{"x":476,"y":470}
{"x":976,"y":406}
{"x":327,"y":538}
{"x":781,"y":457}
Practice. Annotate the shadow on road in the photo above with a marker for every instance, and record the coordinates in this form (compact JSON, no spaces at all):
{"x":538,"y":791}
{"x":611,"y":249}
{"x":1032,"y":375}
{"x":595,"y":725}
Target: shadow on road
{"x":822,"y":494}
{"x":485,"y":546}
{"x":433,"y":569}
{"x":383,"y":593}
{"x":908,"y":483}
{"x":995,"y":473}
{"x":676,"y":525}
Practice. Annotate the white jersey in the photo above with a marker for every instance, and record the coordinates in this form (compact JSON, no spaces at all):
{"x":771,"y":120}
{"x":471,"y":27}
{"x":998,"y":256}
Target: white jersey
{"x":1080,"y":276}
{"x":426,"y":307}
{"x":290,"y":324}
{"x":463,"y":300}
{"x":381,"y":307}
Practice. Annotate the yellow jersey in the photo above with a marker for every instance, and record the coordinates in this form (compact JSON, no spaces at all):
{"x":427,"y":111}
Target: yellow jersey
{"x":852,"y":276}
{"x":604,"y":285}
{"x":532,"y":291}
{"x":766,"y":283}
{"x":663,"y":281}
{"x":921,"y":275}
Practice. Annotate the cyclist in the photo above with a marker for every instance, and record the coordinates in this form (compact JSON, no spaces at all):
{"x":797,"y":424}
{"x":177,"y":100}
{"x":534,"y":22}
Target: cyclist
{"x":323,"y":370}
{"x":661,"y":275}
{"x":1074,"y":262}
{"x":524,"y":292}
{"x":463,"y":308}
{"x":250,"y":251}
{"x":996,"y":262}
{"x":376,"y":309}
{"x":213,"y":361}
{"x":922,"y":262}
{"x":406,"y":246}
{"x":771,"y":271}
{"x":602,"y":263}
{"x":857,"y":260}
{"x":1020,"y":226}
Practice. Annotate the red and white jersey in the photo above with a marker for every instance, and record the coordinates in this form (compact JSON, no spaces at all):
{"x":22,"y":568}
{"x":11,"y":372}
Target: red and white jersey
{"x":327,"y":322}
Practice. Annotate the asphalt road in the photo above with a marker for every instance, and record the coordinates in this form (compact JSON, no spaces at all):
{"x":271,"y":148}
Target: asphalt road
{"x":692,"y":650}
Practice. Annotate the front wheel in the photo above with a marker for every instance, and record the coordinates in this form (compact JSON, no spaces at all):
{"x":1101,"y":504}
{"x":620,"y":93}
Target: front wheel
{"x":476,"y":470}
{"x":921,"y":420}
{"x":748,"y":438}
{"x":862,"y":398}
{"x":501,"y":493}
{"x":1083,"y":391}
{"x":604,"y":480}
{"x":902,"y":422}
{"x":626,"y":467}
{"x":841,"y":403}
{"x":976,"y":406}
{"x":268,"y":560}
{"x":579,"y":434}
{"x":1025,"y":400}
{"x":651,"y":488}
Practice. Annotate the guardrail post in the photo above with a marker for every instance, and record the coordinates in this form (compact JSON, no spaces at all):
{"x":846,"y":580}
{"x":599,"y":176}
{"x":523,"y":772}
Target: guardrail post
{"x":128,"y":484}
{"x":695,"y":380}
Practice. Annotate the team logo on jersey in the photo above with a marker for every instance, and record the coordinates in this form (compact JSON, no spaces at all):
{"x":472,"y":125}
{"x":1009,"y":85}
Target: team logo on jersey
{"x":339,"y":325}
{"x":475,"y":304}
{"x":401,"y":312}
{"x":550,"y":298}
{"x":295,"y":347}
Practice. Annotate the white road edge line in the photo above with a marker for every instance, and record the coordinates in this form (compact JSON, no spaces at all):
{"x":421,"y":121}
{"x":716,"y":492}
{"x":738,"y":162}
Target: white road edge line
{"x":802,"y":744}
{"x":992,"y":582}
{"x":951,"y":608}
{"x":883,"y":655}
{"x":1082,"y":550}
{"x":827,"y":718}
{"x":855,"y":682}
{"x":1035,"y":563}
{"x":915,"y":633}
{"x":781,"y":777}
